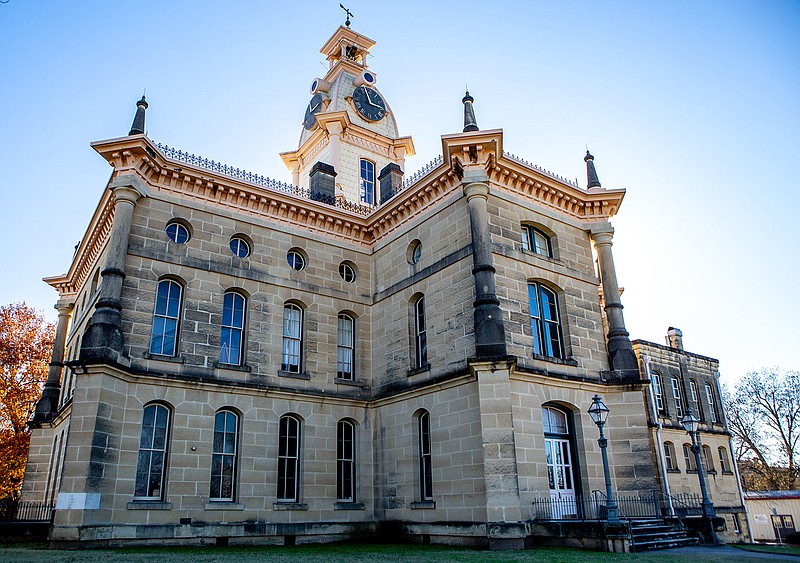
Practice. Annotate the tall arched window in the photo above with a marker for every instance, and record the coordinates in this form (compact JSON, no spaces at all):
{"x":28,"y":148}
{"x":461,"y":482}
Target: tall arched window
{"x":292,"y":356}
{"x":166,"y":318}
{"x":724,"y":465}
{"x":289,"y":459}
{"x":420,"y":333}
{"x":658,"y":392}
{"x":707,"y":459}
{"x":545,"y":321}
{"x":677,"y":397}
{"x":695,"y":396}
{"x":367,"y":174}
{"x":152,"y":453}
{"x":688,"y":458}
{"x":230,"y":347}
{"x":223,"y":458}
{"x":669,"y":456}
{"x":345,"y":346}
{"x":712,"y":409}
{"x":345,"y":461}
{"x":425,"y":459}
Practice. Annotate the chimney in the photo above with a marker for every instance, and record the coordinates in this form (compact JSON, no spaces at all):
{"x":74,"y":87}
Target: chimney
{"x":675,"y":338}
{"x":322,"y":183}
{"x":391,"y":179}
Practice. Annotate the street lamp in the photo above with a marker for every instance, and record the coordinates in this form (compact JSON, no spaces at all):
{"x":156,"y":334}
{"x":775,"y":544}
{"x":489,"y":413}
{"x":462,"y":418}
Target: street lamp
{"x":691,"y":423}
{"x":599,"y":413}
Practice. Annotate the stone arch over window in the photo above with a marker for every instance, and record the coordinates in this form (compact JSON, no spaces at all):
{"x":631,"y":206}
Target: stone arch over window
{"x":225,"y":455}
{"x":167,"y":312}
{"x":150,"y":480}
{"x":232,"y":333}
{"x":292,"y":355}
{"x":346,"y":469}
{"x":289,"y":457}
{"x":538,"y":239}
{"x":546,"y":320}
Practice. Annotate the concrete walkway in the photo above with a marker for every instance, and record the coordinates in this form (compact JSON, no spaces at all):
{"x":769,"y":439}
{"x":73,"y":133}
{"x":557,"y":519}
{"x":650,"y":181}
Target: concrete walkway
{"x":732,"y":553}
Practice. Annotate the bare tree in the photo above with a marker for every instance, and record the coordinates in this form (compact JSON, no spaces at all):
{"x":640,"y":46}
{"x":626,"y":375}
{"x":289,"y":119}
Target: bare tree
{"x":764,"y":418}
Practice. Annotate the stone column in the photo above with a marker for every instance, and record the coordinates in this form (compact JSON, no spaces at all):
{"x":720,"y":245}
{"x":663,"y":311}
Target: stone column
{"x":620,"y":351}
{"x":48,"y":404}
{"x":490,"y":338}
{"x":103,"y":340}
{"x":335,"y":129}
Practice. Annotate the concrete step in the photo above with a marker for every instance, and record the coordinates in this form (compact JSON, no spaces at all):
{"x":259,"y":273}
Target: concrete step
{"x":663,"y":544}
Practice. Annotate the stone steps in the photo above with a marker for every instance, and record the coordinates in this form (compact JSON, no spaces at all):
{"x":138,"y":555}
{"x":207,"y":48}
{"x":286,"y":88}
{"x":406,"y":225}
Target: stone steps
{"x":648,"y":535}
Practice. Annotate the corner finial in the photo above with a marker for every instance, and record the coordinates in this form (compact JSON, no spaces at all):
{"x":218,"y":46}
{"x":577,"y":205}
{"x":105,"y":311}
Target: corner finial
{"x":591,"y":173}
{"x":470,"y":124}
{"x":348,"y":15}
{"x":138,"y":120}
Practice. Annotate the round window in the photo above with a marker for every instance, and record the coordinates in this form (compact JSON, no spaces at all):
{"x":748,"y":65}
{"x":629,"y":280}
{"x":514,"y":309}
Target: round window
{"x":296,"y":260}
{"x":240,"y":247}
{"x":177,"y":232}
{"x":348,"y":272}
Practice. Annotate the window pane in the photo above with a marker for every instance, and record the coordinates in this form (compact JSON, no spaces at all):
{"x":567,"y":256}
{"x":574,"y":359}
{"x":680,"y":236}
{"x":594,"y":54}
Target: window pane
{"x":526,"y":239}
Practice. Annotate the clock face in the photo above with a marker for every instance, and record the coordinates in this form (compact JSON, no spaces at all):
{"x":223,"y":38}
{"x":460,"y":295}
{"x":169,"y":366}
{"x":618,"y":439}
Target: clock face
{"x":311,"y":111}
{"x":369,"y":103}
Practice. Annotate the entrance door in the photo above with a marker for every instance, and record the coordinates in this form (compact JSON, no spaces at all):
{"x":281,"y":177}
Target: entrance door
{"x":559,"y":464}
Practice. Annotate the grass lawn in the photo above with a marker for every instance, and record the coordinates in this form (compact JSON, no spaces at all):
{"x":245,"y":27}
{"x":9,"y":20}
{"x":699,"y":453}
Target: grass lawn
{"x":340,"y":553}
{"x":780,"y":549}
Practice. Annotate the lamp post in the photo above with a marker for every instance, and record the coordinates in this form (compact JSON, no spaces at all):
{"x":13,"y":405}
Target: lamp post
{"x":691,"y":423}
{"x":599,"y":413}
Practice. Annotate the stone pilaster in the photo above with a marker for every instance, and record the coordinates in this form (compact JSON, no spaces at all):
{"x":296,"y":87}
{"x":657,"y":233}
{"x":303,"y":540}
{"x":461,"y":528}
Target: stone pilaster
{"x":103,"y":341}
{"x":620,"y":351}
{"x":47,"y":405}
{"x":490,"y":338}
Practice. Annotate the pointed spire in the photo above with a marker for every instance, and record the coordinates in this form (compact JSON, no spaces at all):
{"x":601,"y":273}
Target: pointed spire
{"x":138,"y":121}
{"x":591,"y":173}
{"x":470,"y":124}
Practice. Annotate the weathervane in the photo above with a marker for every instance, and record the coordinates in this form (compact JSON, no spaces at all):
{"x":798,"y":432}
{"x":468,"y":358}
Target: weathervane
{"x":348,"y":13}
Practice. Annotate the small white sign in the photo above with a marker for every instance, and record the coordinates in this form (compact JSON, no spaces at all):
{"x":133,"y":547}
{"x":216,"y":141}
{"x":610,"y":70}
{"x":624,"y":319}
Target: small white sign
{"x":78,"y":501}
{"x":762,"y":518}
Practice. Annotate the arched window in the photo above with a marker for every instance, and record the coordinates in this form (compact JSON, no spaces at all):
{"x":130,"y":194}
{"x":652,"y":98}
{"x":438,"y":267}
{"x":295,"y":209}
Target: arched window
{"x":677,"y":397}
{"x":345,"y":461}
{"x":178,"y":232}
{"x":292,"y":357}
{"x":658,"y":392}
{"x":688,"y":458}
{"x":289,"y":459}
{"x":535,"y":240}
{"x":166,"y":318}
{"x":724,"y":465}
{"x":345,"y":346}
{"x":424,"y":455}
{"x":712,"y":408}
{"x":152,"y":453}
{"x":230,"y":347}
{"x":367,"y":174}
{"x":695,"y":398}
{"x":420,"y":333}
{"x":223,"y":458}
{"x":669,"y":456}
{"x":545,"y":321}
{"x":706,"y":459}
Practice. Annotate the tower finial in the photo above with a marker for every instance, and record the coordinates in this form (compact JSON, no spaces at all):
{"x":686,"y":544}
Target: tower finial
{"x":348,"y":13}
{"x":591,"y":174}
{"x":470,"y":124}
{"x":138,"y":120}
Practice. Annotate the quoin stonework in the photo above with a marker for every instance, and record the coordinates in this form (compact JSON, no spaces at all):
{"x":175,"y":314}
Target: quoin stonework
{"x":360,"y":351}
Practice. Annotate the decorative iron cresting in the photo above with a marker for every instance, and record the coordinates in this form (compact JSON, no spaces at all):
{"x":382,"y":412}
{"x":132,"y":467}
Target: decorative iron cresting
{"x":539,"y":169}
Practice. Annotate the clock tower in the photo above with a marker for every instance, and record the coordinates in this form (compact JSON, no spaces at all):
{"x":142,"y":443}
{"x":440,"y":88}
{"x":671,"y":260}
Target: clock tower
{"x":349,"y":146}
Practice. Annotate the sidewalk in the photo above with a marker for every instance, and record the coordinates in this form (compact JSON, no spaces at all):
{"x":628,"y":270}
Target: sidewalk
{"x":732,"y":553}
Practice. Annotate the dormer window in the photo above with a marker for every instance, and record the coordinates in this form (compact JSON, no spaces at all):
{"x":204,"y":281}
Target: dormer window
{"x":367,"y":170}
{"x":534,"y":240}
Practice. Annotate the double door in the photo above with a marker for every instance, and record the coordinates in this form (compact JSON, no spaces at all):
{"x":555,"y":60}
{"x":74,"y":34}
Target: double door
{"x":560,"y":476}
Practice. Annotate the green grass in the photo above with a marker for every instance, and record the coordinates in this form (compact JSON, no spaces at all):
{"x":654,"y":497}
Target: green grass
{"x":780,"y":549}
{"x":340,"y":553}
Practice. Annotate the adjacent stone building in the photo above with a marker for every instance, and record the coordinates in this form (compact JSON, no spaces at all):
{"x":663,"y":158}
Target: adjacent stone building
{"x":241,"y":360}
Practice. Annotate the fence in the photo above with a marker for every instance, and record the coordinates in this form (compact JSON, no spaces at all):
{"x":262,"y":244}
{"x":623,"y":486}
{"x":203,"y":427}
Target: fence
{"x":593,"y":507}
{"x":17,"y":511}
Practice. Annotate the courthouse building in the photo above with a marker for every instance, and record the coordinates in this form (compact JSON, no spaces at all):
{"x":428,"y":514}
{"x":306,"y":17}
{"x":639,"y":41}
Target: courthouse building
{"x":360,"y":351}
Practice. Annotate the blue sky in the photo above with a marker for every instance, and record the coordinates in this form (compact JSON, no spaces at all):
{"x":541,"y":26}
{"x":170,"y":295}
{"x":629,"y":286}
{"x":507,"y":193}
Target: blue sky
{"x":690,"y":106}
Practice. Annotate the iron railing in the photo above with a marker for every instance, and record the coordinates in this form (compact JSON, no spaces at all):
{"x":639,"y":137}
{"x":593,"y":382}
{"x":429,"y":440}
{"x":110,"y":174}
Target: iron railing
{"x":593,"y":506}
{"x":540,"y":169}
{"x":18,"y":511}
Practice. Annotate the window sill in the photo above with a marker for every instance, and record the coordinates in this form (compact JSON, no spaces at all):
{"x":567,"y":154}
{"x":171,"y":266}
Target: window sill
{"x":293,"y":375}
{"x":554,"y":360}
{"x":289,"y":506}
{"x":348,"y":506}
{"x":160,"y":358}
{"x":149,"y":505}
{"x":223,"y":505}
{"x":673,"y":470}
{"x":350,"y":382}
{"x":727,"y":472}
{"x":423,"y":505}
{"x":233,"y":367}
{"x":417,"y":371}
